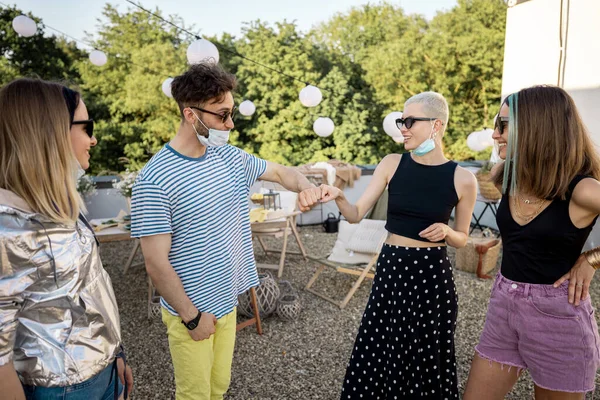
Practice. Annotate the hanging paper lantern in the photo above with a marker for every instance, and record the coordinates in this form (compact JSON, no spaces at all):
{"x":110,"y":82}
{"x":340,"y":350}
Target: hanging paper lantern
{"x":247,"y":108}
{"x":485,"y":137}
{"x":323,"y":126}
{"x":166,"y":87}
{"x":474,"y":141}
{"x":202,"y":50}
{"x":24,"y":26}
{"x":389,"y":125}
{"x":98,"y":58}
{"x":310,"y":96}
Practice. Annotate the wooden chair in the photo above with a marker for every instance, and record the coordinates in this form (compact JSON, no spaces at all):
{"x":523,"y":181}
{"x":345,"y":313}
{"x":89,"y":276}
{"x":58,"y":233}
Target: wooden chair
{"x":342,"y":260}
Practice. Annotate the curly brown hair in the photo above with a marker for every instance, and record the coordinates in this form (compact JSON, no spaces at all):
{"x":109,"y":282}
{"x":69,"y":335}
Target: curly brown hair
{"x":201,"y":84}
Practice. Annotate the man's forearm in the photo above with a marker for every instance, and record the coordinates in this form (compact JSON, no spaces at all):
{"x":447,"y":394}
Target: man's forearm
{"x":294,"y":181}
{"x":168,"y":284}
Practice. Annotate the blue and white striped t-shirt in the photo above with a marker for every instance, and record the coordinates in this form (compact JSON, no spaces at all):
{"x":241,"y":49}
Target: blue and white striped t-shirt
{"x":203,"y":203}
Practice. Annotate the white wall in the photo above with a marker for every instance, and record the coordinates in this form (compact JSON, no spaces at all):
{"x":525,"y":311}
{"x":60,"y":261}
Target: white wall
{"x":533,"y":52}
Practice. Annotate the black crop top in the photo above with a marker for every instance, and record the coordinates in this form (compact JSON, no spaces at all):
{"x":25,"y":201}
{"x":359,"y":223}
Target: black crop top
{"x":547,"y":247}
{"x":419,"y":196}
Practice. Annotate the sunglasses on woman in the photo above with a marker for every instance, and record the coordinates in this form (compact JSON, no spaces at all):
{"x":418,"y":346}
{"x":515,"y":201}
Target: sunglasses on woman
{"x":224,"y":117}
{"x":88,"y":126}
{"x":500,"y":123}
{"x":410,"y":121}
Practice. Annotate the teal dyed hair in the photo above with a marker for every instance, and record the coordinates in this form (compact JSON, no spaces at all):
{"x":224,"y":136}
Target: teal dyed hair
{"x":510,"y":166}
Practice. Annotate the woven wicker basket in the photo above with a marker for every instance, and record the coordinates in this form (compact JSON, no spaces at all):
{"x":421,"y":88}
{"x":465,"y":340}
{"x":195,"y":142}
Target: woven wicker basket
{"x":267,"y":294}
{"x":467,"y":257}
{"x":487,"y":187}
{"x":288,"y":305}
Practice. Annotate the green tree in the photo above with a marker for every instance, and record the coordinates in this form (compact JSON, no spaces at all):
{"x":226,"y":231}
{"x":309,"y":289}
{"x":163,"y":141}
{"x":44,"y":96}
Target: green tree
{"x":136,"y":118}
{"x":47,"y":57}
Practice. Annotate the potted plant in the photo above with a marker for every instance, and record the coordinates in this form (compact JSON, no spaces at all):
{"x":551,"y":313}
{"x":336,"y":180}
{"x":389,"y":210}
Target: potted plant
{"x":125,"y":185}
{"x":86,"y":186}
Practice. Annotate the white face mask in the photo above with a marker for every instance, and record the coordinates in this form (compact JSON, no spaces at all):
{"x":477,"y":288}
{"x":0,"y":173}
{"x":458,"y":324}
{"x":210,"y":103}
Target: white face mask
{"x":215,"y":136}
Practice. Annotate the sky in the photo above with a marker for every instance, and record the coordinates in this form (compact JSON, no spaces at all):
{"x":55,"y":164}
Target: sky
{"x":76,"y":17}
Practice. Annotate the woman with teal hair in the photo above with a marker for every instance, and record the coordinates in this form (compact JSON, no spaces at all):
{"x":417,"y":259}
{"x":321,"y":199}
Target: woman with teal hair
{"x":540,"y":316}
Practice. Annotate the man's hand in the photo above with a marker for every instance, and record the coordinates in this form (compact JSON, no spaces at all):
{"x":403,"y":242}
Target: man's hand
{"x":308,"y":198}
{"x":205,"y":328}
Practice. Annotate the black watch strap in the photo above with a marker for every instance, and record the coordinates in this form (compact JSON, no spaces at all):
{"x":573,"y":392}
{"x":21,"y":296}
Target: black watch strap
{"x":192,"y":324}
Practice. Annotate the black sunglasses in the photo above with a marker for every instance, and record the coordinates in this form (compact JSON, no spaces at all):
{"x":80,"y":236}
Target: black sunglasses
{"x":500,"y":123}
{"x":89,"y":126}
{"x":410,"y":121}
{"x":223,"y":116}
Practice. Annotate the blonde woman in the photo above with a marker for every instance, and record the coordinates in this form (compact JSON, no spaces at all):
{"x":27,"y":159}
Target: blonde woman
{"x":59,"y":323}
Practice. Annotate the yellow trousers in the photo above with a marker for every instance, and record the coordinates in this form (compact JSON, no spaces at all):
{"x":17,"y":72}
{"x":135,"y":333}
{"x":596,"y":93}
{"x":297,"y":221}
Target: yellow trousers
{"x":202,"y":369}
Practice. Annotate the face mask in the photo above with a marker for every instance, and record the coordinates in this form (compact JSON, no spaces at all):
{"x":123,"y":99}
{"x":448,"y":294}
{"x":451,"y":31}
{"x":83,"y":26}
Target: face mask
{"x":215,"y":136}
{"x":426,"y":146}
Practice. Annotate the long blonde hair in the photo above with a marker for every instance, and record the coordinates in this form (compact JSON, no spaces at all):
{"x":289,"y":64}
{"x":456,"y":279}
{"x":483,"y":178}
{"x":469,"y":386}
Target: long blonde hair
{"x":37,"y":161}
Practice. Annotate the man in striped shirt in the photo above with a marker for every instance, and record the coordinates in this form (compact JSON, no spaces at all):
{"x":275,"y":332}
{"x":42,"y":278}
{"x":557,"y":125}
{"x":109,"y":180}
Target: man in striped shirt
{"x":190,"y":209}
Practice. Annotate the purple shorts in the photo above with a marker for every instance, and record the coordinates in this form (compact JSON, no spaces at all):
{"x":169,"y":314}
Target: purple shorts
{"x":534,"y":327}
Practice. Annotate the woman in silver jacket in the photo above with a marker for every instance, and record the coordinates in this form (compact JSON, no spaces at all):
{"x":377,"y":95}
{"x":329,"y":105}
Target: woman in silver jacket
{"x":59,"y":323}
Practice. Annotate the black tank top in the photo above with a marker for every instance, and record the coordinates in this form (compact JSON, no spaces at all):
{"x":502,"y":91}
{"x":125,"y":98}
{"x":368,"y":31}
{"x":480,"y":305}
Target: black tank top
{"x":547,"y":247}
{"x":419,"y":196}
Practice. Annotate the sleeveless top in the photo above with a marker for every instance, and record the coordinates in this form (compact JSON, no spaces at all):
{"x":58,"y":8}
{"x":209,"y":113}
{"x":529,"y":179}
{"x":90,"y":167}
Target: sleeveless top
{"x":419,"y":196}
{"x":546,"y":248}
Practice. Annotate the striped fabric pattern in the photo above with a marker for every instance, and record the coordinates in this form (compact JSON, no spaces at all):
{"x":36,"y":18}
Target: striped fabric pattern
{"x":203,"y":203}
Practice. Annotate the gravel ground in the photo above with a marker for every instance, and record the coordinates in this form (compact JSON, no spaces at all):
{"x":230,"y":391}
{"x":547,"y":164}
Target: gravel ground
{"x":304,"y":359}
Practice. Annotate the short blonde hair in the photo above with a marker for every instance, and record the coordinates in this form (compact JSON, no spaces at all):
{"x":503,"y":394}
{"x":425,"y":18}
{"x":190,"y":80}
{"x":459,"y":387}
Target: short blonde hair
{"x":434,"y":106}
{"x":37,"y":161}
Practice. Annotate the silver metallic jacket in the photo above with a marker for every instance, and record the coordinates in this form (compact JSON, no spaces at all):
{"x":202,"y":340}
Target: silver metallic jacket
{"x":59,"y":321}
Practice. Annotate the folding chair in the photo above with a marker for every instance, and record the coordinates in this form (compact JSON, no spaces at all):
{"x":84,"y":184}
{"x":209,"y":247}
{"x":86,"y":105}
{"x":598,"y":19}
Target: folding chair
{"x":369,"y":236}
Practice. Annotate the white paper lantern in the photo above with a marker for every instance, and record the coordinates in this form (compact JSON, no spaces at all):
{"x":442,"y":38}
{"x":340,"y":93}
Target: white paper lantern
{"x":398,"y":139}
{"x":24,"y":26}
{"x":310,"y":96}
{"x":247,"y":108}
{"x":98,"y":58}
{"x":389,"y":125}
{"x":166,"y":87}
{"x":474,"y":142}
{"x":485,"y":137}
{"x":202,"y":50}
{"x":323,"y":126}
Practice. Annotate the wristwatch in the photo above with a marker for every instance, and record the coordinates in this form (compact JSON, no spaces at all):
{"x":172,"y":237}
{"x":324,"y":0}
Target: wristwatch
{"x":191,"y":325}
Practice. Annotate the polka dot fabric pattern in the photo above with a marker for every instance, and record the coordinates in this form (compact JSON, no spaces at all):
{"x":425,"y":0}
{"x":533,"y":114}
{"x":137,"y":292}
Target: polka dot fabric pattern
{"x":405,"y":344}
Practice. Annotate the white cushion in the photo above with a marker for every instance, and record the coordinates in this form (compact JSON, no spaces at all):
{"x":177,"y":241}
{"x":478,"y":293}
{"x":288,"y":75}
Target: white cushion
{"x":368,"y":237}
{"x":339,"y":254}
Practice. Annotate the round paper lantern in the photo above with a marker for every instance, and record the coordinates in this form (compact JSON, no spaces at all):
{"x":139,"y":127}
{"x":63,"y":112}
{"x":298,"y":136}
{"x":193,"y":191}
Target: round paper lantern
{"x":247,"y":108}
{"x":389,"y":124}
{"x":166,"y":87}
{"x":98,"y":58}
{"x":24,"y":26}
{"x":485,"y":137}
{"x":323,"y":126}
{"x":310,"y":96}
{"x":474,"y":141}
{"x":202,"y":50}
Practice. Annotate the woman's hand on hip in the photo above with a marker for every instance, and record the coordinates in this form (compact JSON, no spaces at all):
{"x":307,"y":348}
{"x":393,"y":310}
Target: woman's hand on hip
{"x":579,"y":277}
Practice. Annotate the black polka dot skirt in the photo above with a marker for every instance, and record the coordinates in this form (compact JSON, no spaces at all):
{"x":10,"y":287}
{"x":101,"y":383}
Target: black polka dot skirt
{"x":405,"y":344}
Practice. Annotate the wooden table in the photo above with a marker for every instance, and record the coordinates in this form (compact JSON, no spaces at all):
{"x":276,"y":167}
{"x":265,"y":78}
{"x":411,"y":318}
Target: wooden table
{"x":280,"y":227}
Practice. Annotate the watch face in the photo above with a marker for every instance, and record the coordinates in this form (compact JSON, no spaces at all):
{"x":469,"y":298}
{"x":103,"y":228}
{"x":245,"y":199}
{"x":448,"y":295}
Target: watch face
{"x":192,"y":325}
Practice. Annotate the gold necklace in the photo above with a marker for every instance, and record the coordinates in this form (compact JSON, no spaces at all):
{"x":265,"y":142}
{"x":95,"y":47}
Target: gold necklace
{"x":522,"y":215}
{"x":527,"y":201}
